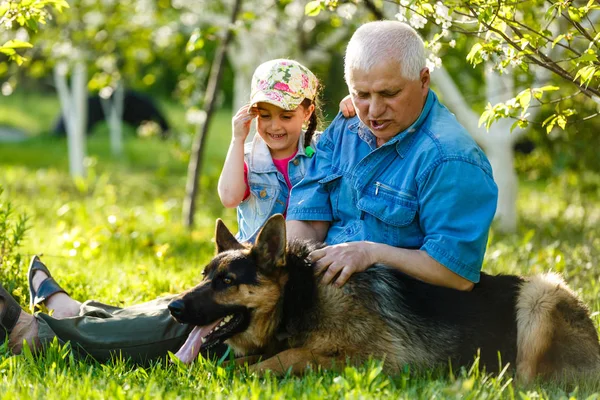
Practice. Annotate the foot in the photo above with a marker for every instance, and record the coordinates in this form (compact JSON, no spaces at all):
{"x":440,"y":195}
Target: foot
{"x":25,"y":330}
{"x":62,"y":304}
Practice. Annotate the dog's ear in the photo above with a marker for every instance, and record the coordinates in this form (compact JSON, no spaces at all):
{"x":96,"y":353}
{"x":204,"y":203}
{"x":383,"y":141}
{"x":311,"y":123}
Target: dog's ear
{"x":224,"y":238}
{"x":271,"y":243}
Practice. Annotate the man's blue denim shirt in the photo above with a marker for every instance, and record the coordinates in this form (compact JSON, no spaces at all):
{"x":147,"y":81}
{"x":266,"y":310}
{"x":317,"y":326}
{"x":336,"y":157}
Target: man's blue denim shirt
{"x":430,"y":187}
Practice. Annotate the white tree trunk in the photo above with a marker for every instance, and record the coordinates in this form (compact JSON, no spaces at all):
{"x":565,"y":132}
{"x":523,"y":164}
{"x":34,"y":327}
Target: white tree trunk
{"x":113,"y":114}
{"x":74,"y":110}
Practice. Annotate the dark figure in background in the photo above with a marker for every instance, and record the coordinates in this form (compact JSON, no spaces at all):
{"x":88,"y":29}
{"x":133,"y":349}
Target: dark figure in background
{"x":137,"y":108}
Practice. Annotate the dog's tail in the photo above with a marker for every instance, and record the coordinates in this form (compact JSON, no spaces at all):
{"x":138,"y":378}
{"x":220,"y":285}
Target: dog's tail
{"x":556,"y":338}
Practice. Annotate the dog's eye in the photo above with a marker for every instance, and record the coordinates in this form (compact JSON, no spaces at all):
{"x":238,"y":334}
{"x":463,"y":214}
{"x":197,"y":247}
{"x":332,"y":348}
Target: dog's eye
{"x":227,"y":280}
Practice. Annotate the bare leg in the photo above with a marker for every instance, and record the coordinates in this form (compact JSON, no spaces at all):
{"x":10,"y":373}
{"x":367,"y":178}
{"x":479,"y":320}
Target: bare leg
{"x":26,"y":329}
{"x":62,"y":304}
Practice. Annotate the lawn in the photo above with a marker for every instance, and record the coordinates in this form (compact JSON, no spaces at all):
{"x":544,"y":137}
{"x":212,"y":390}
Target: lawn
{"x":116,"y":236}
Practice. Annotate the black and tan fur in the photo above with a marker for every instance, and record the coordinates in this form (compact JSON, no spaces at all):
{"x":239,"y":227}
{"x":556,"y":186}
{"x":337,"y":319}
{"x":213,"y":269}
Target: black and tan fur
{"x":291,"y":320}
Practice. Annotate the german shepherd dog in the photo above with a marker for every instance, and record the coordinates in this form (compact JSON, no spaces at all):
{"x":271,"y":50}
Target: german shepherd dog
{"x":264,"y":299}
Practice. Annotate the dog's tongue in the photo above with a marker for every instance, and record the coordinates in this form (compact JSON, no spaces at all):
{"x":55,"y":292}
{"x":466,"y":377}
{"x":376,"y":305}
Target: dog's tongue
{"x":190,"y":349}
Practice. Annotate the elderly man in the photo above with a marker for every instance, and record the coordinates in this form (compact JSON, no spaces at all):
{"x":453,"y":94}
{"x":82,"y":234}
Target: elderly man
{"x":403,"y":183}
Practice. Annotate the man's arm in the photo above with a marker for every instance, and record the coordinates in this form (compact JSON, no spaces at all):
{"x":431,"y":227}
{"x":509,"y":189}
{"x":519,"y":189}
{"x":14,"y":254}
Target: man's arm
{"x":311,"y":230}
{"x":348,"y":258}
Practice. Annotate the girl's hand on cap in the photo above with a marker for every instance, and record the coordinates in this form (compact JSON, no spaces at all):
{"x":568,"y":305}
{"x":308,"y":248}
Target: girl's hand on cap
{"x":241,"y":122}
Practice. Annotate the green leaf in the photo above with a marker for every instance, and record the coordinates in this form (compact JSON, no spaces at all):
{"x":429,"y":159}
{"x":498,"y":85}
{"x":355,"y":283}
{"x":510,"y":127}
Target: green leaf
{"x":548,"y":88}
{"x":524,"y":98}
{"x":474,"y":55}
{"x":558,"y":39}
{"x":561,"y":120}
{"x":485,"y":116}
{"x":17,"y":44}
{"x":574,"y":14}
{"x":585,"y":74}
{"x":313,"y":8}
{"x":549,"y":123}
{"x":427,"y":7}
{"x":588,"y":56}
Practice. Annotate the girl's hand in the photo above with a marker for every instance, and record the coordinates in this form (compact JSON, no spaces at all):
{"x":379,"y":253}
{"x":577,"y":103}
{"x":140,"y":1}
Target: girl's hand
{"x":241,"y":122}
{"x":347,"y":108}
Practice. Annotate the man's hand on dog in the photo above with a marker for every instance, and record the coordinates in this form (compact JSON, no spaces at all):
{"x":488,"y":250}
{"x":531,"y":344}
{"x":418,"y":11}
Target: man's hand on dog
{"x":344,"y":259}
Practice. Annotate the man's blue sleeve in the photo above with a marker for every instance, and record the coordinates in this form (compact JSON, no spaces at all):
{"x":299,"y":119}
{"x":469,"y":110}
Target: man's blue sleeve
{"x":309,"y":199}
{"x":457,"y":204}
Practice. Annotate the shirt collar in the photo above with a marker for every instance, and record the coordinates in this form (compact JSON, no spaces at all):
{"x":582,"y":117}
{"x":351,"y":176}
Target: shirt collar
{"x":260,"y":160}
{"x":403,"y":140}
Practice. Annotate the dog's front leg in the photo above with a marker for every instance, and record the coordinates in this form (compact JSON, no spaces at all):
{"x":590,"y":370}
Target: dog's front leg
{"x":296,"y":361}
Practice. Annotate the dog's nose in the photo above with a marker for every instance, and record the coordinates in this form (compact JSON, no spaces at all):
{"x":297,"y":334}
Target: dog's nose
{"x":177,"y":307}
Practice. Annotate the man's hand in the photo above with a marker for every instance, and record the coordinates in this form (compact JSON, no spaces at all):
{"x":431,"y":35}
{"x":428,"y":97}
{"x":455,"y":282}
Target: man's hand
{"x":345,"y":259}
{"x":347,"y":108}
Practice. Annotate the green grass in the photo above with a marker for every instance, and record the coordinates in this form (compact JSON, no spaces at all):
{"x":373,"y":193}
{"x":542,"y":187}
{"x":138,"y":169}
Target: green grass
{"x":116,"y":236}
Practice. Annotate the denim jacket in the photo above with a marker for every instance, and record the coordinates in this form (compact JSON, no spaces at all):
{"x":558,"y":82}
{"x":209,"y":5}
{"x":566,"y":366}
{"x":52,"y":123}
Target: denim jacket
{"x":430,"y":187}
{"x":268,"y":190}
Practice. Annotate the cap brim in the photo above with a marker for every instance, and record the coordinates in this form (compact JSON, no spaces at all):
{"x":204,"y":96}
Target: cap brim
{"x":261,"y":97}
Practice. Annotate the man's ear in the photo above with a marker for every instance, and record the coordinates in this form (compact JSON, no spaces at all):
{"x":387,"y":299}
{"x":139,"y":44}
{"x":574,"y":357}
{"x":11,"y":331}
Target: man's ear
{"x":224,"y":238}
{"x":271,"y":243}
{"x":425,"y":78}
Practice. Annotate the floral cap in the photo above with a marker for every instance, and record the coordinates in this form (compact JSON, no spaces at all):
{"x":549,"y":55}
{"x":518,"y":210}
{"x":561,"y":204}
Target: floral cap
{"x":283,"y":83}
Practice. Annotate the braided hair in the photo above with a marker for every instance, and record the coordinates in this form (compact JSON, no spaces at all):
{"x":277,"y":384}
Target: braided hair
{"x":313,"y":122}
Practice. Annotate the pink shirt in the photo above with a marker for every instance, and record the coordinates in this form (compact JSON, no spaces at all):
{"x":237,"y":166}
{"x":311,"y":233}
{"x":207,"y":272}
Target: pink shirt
{"x":282,"y":166}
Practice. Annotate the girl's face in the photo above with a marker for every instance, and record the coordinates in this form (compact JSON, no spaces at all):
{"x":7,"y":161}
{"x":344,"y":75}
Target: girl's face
{"x":281,"y":129}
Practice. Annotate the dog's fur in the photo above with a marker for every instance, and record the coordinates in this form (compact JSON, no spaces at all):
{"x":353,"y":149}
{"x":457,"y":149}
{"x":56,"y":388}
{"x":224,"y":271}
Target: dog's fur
{"x":283,"y":313}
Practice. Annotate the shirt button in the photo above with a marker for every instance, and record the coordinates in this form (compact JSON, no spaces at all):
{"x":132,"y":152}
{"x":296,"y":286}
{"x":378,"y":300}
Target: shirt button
{"x":296,"y":162}
{"x":263,"y":193}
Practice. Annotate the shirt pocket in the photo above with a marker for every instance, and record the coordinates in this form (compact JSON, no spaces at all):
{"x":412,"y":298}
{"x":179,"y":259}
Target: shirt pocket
{"x":264,"y":197}
{"x":332,"y":185}
{"x":390,"y":216}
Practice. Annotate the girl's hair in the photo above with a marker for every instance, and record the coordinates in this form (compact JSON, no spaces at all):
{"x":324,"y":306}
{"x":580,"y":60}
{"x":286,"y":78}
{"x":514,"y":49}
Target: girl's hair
{"x":314,"y":121}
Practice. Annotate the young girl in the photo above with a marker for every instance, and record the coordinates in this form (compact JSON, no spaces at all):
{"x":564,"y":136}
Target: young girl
{"x":257,"y":177}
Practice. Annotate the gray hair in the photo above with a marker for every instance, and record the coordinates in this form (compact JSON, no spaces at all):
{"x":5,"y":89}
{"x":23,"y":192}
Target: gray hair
{"x":381,"y":41}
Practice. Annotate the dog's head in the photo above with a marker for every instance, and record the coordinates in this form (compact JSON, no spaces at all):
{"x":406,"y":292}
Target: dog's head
{"x":237,"y":300}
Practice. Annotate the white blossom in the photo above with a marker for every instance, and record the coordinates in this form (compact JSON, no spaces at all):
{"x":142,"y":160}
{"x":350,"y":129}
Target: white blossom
{"x":22,"y":35}
{"x":417,"y":21}
{"x":93,"y":19}
{"x":433,"y":62}
{"x":347,"y":10}
{"x":401,"y":15}
{"x":195,"y":116}
{"x":7,"y":89}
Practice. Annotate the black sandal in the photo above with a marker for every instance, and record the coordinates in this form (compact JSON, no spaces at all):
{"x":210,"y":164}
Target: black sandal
{"x":11,"y":310}
{"x":47,"y":288}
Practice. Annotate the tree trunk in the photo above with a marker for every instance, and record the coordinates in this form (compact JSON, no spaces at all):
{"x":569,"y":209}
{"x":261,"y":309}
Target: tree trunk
{"x":113,"y":114}
{"x":73,"y":104}
{"x":194,"y":166}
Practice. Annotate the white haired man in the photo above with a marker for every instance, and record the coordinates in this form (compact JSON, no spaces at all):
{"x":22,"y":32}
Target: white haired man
{"x":403,"y":183}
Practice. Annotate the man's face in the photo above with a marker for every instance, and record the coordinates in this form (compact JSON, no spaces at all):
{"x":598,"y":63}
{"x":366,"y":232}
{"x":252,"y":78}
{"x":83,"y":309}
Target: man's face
{"x":386,"y":102}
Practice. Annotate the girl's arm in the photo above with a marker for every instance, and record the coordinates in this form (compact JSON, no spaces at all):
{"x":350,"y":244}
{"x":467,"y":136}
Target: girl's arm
{"x":232,"y":185}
